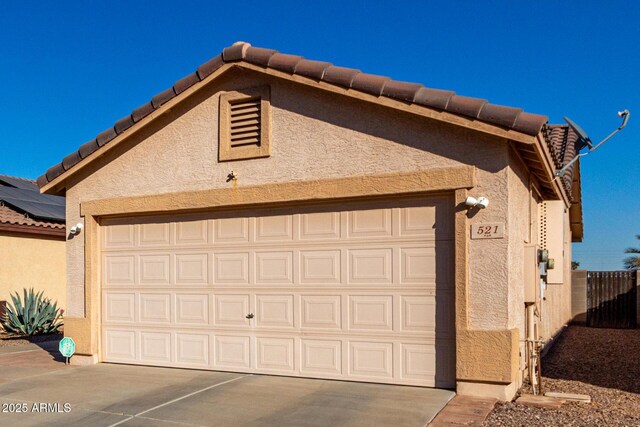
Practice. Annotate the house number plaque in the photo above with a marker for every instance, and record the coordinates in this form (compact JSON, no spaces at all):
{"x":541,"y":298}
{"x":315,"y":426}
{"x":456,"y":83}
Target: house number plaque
{"x":487,"y":230}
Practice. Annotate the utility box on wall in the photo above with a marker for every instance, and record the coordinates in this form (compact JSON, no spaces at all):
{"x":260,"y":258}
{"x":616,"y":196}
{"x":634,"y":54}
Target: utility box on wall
{"x":552,"y":238}
{"x":531,"y":274}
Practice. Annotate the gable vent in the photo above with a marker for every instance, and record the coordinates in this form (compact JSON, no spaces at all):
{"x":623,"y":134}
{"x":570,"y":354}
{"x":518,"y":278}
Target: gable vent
{"x":244,"y":122}
{"x":543,"y":226}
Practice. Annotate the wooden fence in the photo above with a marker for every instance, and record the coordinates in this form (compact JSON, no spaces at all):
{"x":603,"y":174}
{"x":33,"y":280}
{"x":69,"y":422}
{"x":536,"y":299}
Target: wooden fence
{"x":612,"y":299}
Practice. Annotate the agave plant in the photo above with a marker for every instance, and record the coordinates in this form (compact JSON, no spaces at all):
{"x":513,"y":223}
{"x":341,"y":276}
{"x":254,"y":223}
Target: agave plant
{"x":32,"y":315}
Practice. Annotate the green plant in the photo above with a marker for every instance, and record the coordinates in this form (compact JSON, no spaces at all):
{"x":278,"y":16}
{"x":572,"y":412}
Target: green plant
{"x":632,"y":262}
{"x":32,"y":315}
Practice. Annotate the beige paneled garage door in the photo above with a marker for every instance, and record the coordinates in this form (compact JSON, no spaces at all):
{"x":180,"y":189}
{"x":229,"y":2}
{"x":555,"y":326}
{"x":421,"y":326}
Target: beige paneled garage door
{"x":360,"y":292}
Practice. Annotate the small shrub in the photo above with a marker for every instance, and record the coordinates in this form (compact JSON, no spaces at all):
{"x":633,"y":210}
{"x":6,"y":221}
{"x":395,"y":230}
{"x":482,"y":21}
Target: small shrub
{"x":31,"y":315}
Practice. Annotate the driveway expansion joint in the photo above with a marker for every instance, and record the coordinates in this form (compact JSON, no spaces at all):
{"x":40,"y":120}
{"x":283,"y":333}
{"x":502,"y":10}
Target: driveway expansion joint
{"x":178,"y":399}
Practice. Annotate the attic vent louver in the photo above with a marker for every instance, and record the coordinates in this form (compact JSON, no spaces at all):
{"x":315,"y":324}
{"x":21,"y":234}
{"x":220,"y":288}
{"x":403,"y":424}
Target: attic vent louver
{"x":543,"y":226}
{"x":245,"y":124}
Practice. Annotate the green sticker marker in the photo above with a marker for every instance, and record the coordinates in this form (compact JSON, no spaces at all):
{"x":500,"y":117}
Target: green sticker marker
{"x":67,"y":347}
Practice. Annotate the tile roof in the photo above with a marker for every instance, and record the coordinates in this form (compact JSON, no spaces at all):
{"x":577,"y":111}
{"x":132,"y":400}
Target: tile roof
{"x":13,"y":219}
{"x":9,"y":216}
{"x":380,"y":86}
{"x":564,"y":144}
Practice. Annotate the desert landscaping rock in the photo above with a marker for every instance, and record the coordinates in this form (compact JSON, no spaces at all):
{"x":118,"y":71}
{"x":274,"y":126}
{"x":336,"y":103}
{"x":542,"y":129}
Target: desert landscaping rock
{"x":10,"y":341}
{"x":602,"y":363}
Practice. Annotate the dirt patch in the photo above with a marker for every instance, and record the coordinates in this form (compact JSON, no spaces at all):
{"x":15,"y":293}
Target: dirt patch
{"x":603,"y":363}
{"x":10,"y":340}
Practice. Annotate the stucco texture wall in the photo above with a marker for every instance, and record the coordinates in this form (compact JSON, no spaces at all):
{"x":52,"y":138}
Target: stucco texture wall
{"x":520,"y":233}
{"x":33,"y":262}
{"x":555,"y":309}
{"x":315,"y":135}
{"x":521,"y":223}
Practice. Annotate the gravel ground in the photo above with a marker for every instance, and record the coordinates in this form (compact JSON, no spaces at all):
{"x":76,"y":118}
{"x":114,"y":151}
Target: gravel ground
{"x":603,"y":363}
{"x":8,"y":341}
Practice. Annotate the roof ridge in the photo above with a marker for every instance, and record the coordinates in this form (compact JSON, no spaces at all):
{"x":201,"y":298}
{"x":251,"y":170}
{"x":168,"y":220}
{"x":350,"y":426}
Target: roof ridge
{"x":2,"y":175}
{"x":348,"y":78}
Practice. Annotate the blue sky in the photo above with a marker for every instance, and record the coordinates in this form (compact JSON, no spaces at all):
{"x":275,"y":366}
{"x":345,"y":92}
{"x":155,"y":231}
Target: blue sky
{"x":71,"y":69}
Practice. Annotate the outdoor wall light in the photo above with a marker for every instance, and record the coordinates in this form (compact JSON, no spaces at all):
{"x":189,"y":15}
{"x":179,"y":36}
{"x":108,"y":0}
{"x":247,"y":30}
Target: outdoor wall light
{"x":480,"y":202}
{"x":76,"y":229}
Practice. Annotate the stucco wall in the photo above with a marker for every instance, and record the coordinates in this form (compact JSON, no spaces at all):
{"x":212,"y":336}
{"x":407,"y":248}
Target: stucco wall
{"x":521,"y":209}
{"x":555,"y":309}
{"x":37,"y":262}
{"x":489,"y":259}
{"x":520,"y":233}
{"x":315,"y":135}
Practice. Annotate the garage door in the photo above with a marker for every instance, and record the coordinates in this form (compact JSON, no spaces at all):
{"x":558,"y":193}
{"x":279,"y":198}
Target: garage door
{"x":360,"y":292}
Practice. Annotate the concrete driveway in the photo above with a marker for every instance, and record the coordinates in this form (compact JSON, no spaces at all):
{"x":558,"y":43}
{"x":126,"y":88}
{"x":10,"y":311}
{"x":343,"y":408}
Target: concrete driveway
{"x":109,"y":395}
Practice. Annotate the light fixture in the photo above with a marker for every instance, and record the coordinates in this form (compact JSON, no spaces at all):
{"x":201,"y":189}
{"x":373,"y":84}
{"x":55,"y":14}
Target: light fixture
{"x":480,"y":202}
{"x":76,"y":229}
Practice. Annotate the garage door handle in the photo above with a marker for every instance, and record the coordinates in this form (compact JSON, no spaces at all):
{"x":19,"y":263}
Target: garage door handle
{"x":249,"y":316}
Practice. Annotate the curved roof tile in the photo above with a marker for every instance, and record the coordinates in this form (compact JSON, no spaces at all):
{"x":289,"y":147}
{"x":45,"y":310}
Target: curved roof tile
{"x":563,"y":142}
{"x":311,"y":69}
{"x":466,"y":106}
{"x":141,"y":112}
{"x":9,"y":216}
{"x":340,"y":76}
{"x":402,"y":91}
{"x":499,"y":114}
{"x":369,"y":83}
{"x":435,"y":98}
{"x":208,"y":68}
{"x":284,"y":62}
{"x":259,"y":56}
{"x":87,"y":148}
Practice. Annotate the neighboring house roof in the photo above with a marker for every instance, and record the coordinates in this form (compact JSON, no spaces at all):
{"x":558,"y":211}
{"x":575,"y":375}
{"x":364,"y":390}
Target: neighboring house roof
{"x":23,"y":209}
{"x":509,"y":118}
{"x":15,"y":182}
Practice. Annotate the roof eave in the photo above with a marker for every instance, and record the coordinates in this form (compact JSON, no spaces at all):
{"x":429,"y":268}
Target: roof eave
{"x":538,"y":160}
{"x":57,"y":184}
{"x":424,"y":111}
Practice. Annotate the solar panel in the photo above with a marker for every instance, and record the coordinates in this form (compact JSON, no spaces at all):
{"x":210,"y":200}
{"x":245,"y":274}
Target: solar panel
{"x":30,"y":196}
{"x":36,"y":205}
{"x":37,"y":210}
{"x":19,"y":183}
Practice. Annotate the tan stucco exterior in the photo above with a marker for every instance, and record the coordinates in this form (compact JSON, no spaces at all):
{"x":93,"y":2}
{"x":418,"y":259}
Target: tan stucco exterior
{"x":325,"y":146}
{"x":33,"y":261}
